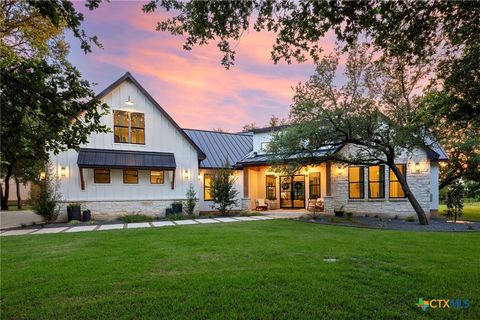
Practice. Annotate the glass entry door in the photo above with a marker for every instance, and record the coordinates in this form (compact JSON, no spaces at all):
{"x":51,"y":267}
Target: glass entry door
{"x":292,"y":191}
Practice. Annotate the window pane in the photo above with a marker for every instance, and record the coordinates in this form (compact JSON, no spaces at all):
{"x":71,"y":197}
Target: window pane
{"x":101,"y":175}
{"x":120,"y":118}
{"x":130,"y":176}
{"x":314,"y":182}
{"x":138,"y":136}
{"x":121,"y":134}
{"x":355,"y":174}
{"x":137,"y":120}
{"x":376,"y":181}
{"x":271,"y":190}
{"x":156,"y":177}
{"x":396,"y":190}
{"x":356,"y":182}
{"x":207,"y":187}
{"x":356,"y":190}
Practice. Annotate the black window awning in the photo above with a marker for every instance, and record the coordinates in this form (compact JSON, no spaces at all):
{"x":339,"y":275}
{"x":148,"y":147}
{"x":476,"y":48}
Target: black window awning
{"x":121,"y":159}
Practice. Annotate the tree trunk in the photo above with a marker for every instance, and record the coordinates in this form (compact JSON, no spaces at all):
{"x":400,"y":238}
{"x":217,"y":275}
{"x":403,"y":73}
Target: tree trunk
{"x":422,"y":218}
{"x":19,"y":199}
{"x":7,"y":187}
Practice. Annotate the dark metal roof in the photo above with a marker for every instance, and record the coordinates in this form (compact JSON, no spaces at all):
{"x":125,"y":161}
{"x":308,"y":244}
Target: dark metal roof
{"x":218,"y":146}
{"x":129,"y":77}
{"x":120,"y":159}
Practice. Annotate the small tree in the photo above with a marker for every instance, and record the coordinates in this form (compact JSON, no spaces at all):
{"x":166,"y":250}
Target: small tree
{"x":46,"y":197}
{"x":191,"y":200}
{"x":455,"y":200}
{"x":224,"y":193}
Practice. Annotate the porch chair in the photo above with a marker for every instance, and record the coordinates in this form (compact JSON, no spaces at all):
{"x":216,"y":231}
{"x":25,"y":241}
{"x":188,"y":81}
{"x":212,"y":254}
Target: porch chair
{"x":316,"y":205}
{"x":260,"y":204}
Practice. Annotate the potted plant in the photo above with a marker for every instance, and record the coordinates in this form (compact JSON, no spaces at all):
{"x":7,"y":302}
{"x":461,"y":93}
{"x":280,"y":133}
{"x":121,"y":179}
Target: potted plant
{"x":73,"y":212}
{"x":177,"y":207}
{"x":339,"y":212}
{"x":272,"y":203}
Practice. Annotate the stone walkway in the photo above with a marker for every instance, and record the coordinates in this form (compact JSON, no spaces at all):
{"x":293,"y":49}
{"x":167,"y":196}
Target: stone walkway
{"x":138,"y":225}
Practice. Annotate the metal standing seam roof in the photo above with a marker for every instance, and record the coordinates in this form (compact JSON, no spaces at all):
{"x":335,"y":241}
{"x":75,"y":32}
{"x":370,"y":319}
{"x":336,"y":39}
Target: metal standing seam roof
{"x":105,"y":158}
{"x":219,"y":146}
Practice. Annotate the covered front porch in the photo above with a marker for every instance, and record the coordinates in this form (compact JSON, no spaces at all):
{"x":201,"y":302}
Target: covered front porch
{"x":288,"y":193}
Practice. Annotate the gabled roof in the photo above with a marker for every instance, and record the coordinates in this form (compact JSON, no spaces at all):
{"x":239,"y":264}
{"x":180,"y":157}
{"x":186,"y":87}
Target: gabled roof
{"x":128,"y":77}
{"x":218,"y":146}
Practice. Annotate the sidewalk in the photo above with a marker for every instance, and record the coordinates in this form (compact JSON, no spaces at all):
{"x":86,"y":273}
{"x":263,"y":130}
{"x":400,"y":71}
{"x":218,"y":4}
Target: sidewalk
{"x":11,"y":219}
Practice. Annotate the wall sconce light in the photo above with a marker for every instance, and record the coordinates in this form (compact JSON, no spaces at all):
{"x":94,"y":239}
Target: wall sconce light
{"x":186,"y":175}
{"x":129,"y":101}
{"x":199,"y":177}
{"x":339,"y":171}
{"x":63,"y":172}
{"x":443,"y":164}
{"x":417,"y":167}
{"x":43,"y":175}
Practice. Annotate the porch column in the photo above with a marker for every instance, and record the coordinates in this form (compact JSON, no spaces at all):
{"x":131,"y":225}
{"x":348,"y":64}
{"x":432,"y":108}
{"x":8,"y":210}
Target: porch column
{"x":329,"y":178}
{"x":245,"y":182}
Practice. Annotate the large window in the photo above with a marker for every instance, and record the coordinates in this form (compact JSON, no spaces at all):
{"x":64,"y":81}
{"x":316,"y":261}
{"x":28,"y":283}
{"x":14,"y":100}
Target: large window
{"x":101,"y":175}
{"x":157,"y":177}
{"x":130,"y":176}
{"x":129,"y":127}
{"x":376,"y":182}
{"x":271,"y":188}
{"x":207,"y":187}
{"x":355,"y":183}
{"x":395,"y":188}
{"x":314,"y":185}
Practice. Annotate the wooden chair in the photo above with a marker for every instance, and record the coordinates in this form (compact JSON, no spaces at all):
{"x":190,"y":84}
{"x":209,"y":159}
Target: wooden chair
{"x":316,"y":205}
{"x":261,"y":204}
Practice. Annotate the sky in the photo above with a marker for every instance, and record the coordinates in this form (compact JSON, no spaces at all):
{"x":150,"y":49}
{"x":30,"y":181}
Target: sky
{"x":192,"y":86}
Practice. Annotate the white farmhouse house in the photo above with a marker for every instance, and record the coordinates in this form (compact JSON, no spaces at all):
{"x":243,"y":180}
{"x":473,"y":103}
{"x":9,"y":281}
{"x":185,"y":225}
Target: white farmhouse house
{"x":148,"y":161}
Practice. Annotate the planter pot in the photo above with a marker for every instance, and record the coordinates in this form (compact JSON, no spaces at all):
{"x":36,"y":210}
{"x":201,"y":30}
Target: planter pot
{"x":86,"y":215}
{"x":177,"y":207}
{"x":338,"y":213}
{"x":272,"y":204}
{"x":74,"y":214}
{"x":168,"y":211}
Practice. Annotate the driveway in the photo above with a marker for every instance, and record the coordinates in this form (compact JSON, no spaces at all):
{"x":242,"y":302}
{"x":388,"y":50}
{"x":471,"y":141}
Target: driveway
{"x":10,"y":219}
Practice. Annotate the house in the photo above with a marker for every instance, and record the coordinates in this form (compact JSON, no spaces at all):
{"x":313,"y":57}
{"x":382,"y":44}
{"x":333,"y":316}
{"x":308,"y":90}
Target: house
{"x":148,"y":161}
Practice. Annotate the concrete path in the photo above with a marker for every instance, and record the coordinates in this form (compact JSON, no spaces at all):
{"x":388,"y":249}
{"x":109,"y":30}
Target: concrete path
{"x":11,"y":219}
{"x":137,"y":225}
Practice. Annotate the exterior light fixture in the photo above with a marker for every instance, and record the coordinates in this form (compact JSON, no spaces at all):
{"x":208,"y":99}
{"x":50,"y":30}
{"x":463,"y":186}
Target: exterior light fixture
{"x":63,"y":172}
{"x":339,"y":171}
{"x":186,"y":175}
{"x":129,"y":101}
{"x":417,"y":167}
{"x":43,"y":175}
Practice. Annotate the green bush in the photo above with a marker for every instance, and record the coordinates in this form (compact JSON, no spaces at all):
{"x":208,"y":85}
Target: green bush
{"x":73,"y":206}
{"x":74,"y":222}
{"x":191,"y":201}
{"x":129,"y":218}
{"x":176,"y":216}
{"x":45,"y":198}
{"x":455,"y":200}
{"x":410,"y":219}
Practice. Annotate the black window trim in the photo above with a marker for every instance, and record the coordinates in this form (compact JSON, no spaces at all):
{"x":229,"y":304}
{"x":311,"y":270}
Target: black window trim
{"x":163,"y":179}
{"x":376,"y":181}
{"x":361,"y":182}
{"x":274,"y":187}
{"x":404,"y":165}
{"x":109,"y":176}
{"x":319,"y":185}
{"x":205,"y":187}
{"x":129,"y":127}
{"x":124,"y":176}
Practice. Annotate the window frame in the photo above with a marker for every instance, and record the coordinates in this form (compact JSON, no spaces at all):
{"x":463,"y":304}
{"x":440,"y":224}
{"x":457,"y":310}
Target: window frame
{"x":205,"y":187}
{"x":129,"y":127}
{"x":163,"y":177}
{"x":404,"y":165}
{"x":310,"y":185}
{"x":274,"y":187}
{"x":124,"y":170}
{"x":361,"y":183}
{"x":380,"y":182}
{"x":109,"y":176}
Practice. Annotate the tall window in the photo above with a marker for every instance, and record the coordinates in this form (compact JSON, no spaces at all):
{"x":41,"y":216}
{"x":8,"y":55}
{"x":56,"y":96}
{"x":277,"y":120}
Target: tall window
{"x":207,"y":187}
{"x":271,"y":188}
{"x":314,"y":183}
{"x":376,"y":182}
{"x":101,"y":175}
{"x":157,"y":177}
{"x":129,"y":127}
{"x":355,"y":183}
{"x":130,"y":176}
{"x":395,"y":188}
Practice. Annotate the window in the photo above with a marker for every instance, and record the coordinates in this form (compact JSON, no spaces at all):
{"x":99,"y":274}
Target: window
{"x":314,"y":185}
{"x":101,"y":175}
{"x":271,"y":187}
{"x":130,"y":176}
{"x":128,"y":127}
{"x":207,"y":187}
{"x":376,"y":182}
{"x":355,"y":183}
{"x":157,"y":177}
{"x":396,"y":190}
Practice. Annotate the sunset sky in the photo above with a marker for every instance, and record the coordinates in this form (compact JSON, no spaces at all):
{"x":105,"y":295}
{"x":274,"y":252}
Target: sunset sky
{"x":192,"y":86}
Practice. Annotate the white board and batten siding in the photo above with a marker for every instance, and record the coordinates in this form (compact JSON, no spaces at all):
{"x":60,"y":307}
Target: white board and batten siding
{"x":160,"y":136}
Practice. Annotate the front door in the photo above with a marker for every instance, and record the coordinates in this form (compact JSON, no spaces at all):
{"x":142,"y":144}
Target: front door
{"x":292,"y":191}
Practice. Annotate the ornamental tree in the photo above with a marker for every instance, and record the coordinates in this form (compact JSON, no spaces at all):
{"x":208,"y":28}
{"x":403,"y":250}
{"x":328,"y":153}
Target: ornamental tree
{"x":375,"y":113}
{"x":224,"y":193}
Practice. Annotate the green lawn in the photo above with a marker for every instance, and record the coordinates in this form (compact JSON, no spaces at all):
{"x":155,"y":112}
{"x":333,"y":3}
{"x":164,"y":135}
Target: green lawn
{"x":248,"y":270}
{"x":471,"y":210}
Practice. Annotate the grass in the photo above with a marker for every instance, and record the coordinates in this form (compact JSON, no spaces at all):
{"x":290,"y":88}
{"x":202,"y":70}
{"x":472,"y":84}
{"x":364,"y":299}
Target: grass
{"x":255,"y":270}
{"x":471,"y":210}
{"x":14,"y":207}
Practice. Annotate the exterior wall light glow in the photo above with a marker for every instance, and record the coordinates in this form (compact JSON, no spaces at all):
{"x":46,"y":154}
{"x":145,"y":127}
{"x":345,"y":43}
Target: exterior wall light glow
{"x":129,"y":101}
{"x":63,"y":172}
{"x":43,"y":175}
{"x":339,"y":171}
{"x":186,"y":175}
{"x":417,"y":167}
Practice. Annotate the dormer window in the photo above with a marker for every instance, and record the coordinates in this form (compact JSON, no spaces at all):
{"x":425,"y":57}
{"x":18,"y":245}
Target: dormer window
{"x":129,"y":127}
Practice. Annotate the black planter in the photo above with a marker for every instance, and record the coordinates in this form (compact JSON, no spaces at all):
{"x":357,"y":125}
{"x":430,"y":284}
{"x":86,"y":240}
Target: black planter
{"x":177,"y":207}
{"x":74,"y":214}
{"x":86,"y":215}
{"x":338,"y":213}
{"x":168,"y":211}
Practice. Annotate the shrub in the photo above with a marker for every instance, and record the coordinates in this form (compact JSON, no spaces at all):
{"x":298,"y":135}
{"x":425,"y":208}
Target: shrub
{"x":176,"y":216}
{"x":73,"y":206}
{"x":410,"y":219}
{"x":224,"y":193}
{"x":335,"y":220}
{"x":74,"y":222}
{"x":191,"y":201}
{"x":129,"y":218}
{"x":455,"y":200}
{"x":45,"y":198}
{"x":348,"y":214}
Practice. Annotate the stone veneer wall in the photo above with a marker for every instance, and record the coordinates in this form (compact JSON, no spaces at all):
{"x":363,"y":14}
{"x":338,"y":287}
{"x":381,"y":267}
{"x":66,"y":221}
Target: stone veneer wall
{"x":419,"y":184}
{"x":110,"y":210}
